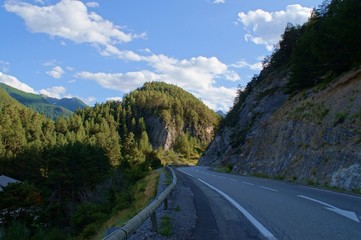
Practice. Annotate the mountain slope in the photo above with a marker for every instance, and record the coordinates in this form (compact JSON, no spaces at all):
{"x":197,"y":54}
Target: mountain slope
{"x":5,"y":99}
{"x":71,"y":104}
{"x":169,"y":112}
{"x":51,"y":107}
{"x":287,"y":125}
{"x":174,"y":119}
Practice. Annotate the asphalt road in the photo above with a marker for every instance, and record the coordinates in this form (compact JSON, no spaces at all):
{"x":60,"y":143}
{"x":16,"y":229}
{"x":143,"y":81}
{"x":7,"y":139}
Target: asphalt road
{"x":254,"y":208}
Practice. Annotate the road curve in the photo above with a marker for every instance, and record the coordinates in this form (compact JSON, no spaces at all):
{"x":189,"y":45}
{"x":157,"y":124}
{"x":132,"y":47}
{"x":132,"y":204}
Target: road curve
{"x":281,"y":210}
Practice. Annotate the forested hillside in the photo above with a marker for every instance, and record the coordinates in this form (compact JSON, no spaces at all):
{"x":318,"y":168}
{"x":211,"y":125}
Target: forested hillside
{"x":79,"y":170}
{"x":50,"y":107}
{"x":174,"y":119}
{"x":299,"y":118}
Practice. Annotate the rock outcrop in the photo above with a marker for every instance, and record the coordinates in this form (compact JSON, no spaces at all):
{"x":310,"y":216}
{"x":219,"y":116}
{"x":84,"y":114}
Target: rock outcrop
{"x":160,"y":134}
{"x":311,"y":137}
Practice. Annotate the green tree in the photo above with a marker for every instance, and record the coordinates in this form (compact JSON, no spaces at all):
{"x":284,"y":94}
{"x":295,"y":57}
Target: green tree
{"x":144,"y":144}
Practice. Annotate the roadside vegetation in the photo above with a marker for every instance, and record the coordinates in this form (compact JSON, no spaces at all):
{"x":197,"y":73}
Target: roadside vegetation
{"x":78,"y":172}
{"x":145,"y":191}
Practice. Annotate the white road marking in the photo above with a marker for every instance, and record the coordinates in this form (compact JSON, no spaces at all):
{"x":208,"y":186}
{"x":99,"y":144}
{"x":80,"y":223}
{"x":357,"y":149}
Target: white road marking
{"x":251,"y":184}
{"x":267,"y":188}
{"x":234,"y":180}
{"x":324,"y":190}
{"x":345,"y":213}
{"x":264,"y":231}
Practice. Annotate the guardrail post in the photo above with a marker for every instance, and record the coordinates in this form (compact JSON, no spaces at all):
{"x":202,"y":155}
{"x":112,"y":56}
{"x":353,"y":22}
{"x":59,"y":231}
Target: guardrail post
{"x":153,"y":218}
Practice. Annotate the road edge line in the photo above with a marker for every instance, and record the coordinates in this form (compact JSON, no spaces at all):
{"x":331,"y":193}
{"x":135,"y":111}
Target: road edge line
{"x":262,"y":229}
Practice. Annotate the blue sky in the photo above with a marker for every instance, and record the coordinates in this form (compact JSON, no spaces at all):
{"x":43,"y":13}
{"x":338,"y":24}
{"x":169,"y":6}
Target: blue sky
{"x":99,"y":50}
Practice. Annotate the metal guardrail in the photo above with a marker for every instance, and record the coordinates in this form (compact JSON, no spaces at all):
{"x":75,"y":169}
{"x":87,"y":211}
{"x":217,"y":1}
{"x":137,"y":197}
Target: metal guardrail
{"x":129,"y":227}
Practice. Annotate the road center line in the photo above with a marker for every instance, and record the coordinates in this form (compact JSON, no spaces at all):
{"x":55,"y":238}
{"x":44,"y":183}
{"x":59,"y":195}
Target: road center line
{"x":264,"y":231}
{"x":267,"y":188}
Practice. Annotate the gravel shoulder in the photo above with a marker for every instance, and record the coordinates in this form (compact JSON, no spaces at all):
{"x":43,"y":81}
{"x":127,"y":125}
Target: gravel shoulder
{"x":181,"y":211}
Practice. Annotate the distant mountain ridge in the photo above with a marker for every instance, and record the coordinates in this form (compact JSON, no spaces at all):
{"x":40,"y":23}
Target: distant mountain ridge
{"x":69,"y":103}
{"x":50,"y":107}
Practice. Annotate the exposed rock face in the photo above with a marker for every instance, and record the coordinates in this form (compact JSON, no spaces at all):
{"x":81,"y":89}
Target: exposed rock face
{"x":164,"y":135}
{"x":348,"y":178}
{"x":313,"y":136}
{"x":160,"y":135}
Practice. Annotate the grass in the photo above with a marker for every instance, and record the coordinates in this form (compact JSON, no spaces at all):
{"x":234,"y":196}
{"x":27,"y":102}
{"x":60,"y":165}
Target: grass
{"x":146,"y":189}
{"x":340,"y":117}
{"x":168,"y":179}
{"x":165,"y":226}
{"x":177,"y":208}
{"x":224,"y":169}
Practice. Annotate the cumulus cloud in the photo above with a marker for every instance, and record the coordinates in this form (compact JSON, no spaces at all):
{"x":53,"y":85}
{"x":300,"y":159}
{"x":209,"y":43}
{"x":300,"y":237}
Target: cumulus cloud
{"x":40,"y":2}
{"x":15,"y":83}
{"x":219,"y":1}
{"x":88,"y":100}
{"x":50,"y":63}
{"x":266,"y":28}
{"x":70,"y":19}
{"x":115,"y":99}
{"x":54,"y":92}
{"x":197,"y":75}
{"x":4,"y":66}
{"x":217,"y":98}
{"x":124,"y":82}
{"x":244,"y":64}
{"x":92,"y":4}
{"x":56,"y":72}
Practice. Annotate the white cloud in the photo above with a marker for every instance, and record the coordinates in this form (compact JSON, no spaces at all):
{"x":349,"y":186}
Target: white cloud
{"x":4,"y":66}
{"x":56,"y":72}
{"x":40,"y":2}
{"x":266,"y":28}
{"x":50,"y":63}
{"x":218,"y":98}
{"x":118,"y":81}
{"x":219,"y":1}
{"x":197,"y":75}
{"x":70,"y":19}
{"x":231,"y":75}
{"x":15,"y":83}
{"x":54,"y":92}
{"x":88,"y":100}
{"x":116,"y":99}
{"x":244,"y":64}
{"x":92,"y":4}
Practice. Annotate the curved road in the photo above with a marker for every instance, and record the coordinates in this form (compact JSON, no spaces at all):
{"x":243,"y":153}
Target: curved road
{"x":269,"y":209}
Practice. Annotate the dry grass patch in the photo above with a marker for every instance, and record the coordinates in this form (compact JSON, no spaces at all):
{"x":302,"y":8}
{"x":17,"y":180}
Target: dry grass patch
{"x":145,"y":190}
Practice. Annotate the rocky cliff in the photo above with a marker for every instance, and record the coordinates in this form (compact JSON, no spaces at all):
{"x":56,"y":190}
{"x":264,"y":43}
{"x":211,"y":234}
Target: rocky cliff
{"x":313,"y":136}
{"x":172,"y":116}
{"x":300,"y":118}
